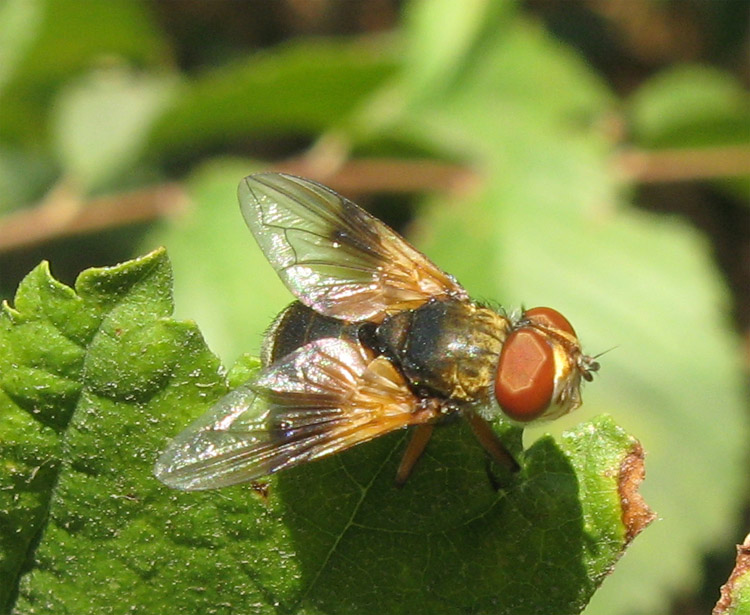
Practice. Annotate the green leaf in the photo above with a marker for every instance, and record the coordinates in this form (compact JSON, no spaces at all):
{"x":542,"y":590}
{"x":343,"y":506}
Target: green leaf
{"x":19,"y":23}
{"x":515,"y":83}
{"x":102,"y":121}
{"x":300,"y":88}
{"x":448,"y":544}
{"x":81,"y":376}
{"x":690,"y":106}
{"x":23,"y":177}
{"x":694,"y":107}
{"x":69,"y":37}
{"x":441,"y":37}
{"x":101,"y":376}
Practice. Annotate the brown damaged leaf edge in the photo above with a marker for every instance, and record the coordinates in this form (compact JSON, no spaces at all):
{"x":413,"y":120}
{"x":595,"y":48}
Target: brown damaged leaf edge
{"x":636,"y":515}
{"x":726,"y":603}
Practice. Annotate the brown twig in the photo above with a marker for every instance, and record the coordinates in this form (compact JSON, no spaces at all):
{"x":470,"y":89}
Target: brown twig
{"x":63,"y":214}
{"x":673,"y":165}
{"x":364,"y":176}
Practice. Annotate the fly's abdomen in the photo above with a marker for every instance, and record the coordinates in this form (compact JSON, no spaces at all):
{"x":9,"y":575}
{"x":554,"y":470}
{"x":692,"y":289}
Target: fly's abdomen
{"x":299,"y":325}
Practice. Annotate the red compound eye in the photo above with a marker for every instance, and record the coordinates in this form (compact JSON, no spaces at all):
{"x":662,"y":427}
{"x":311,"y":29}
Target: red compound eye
{"x":525,"y":378}
{"x":547,"y":317}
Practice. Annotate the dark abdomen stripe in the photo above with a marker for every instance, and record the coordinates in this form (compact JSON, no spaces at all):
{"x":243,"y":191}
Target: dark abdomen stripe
{"x":299,"y":325}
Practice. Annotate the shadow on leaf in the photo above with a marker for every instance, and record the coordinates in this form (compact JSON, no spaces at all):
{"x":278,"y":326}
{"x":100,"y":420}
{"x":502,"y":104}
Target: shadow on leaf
{"x":446,"y":542}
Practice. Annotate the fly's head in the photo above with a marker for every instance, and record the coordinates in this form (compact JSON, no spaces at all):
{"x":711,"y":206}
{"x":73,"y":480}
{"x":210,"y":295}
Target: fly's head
{"x":541,"y":367}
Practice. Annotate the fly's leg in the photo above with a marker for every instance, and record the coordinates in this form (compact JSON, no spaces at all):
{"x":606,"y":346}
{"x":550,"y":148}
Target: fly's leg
{"x":419,"y":439}
{"x":492,"y":444}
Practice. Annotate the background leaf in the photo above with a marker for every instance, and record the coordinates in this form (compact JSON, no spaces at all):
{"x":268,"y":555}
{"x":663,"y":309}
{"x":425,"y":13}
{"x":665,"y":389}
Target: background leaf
{"x":116,"y":29}
{"x":712,"y":109}
{"x":102,"y":122}
{"x":19,"y":21}
{"x":695,"y":107}
{"x":299,"y":89}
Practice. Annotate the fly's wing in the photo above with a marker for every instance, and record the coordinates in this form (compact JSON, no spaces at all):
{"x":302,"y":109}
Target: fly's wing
{"x":323,"y":398}
{"x":217,"y":449}
{"x":334,"y":256}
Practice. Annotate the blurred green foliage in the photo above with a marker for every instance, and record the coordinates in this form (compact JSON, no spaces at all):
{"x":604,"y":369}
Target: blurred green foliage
{"x":94,"y":97}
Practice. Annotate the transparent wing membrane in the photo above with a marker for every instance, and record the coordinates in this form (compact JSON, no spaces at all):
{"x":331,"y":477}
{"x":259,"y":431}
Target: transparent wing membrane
{"x":324,"y":398}
{"x":334,"y":256}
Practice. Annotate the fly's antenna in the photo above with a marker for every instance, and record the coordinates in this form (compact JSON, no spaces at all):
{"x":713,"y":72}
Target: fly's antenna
{"x":588,"y":364}
{"x":596,"y":356}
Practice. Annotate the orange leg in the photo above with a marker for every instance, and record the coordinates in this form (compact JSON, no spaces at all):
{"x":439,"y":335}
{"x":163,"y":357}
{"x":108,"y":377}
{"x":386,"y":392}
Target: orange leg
{"x":413,"y":452}
{"x":491,"y":443}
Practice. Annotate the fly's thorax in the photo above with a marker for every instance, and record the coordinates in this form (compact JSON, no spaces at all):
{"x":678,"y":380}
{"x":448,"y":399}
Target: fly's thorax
{"x":447,"y":348}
